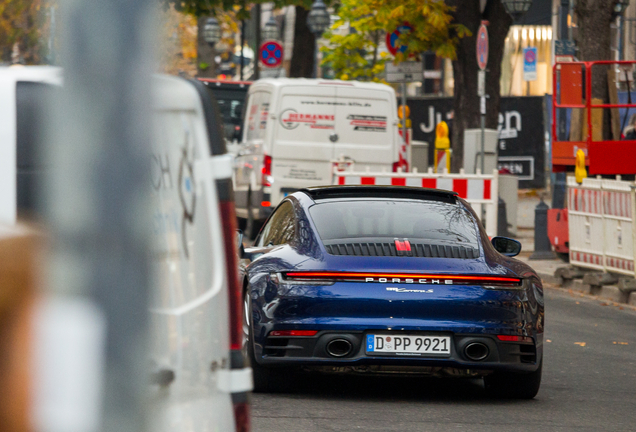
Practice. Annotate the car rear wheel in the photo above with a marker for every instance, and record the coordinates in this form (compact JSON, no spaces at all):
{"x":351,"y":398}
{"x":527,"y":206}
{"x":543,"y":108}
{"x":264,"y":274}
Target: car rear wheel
{"x":514,"y":385}
{"x":266,"y":380}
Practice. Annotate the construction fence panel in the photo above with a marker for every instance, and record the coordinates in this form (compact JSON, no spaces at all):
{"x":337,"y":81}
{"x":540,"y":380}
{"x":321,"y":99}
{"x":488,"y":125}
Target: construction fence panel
{"x":479,"y":190}
{"x":585,"y":219}
{"x":617,"y":213}
{"x":600,"y":214}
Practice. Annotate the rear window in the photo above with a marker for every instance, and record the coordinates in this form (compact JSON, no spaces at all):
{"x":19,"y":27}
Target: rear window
{"x":230,"y":104}
{"x":380,"y":220}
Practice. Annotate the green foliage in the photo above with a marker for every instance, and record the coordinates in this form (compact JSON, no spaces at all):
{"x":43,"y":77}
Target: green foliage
{"x":357,"y":56}
{"x":200,"y":8}
{"x":20,"y":23}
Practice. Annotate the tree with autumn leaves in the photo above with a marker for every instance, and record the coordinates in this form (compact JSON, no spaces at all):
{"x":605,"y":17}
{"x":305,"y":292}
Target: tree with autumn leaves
{"x":22,"y":25}
{"x":355,"y":55}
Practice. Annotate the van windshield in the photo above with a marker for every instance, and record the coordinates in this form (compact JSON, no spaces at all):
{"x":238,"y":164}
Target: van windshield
{"x":382,"y":219}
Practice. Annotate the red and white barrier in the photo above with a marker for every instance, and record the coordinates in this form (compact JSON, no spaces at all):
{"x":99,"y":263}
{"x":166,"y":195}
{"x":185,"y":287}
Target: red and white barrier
{"x":600,"y":224}
{"x":478,"y":189}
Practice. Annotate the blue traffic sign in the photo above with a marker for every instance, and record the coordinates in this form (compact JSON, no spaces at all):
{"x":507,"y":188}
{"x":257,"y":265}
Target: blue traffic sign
{"x":393,"y":37}
{"x":271,"y":54}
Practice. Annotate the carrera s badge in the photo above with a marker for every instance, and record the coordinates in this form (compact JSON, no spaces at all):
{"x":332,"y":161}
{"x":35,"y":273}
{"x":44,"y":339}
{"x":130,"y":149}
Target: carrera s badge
{"x":406,"y":290}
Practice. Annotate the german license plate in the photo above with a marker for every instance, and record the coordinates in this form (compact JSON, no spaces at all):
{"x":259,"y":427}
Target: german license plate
{"x":410,"y":345}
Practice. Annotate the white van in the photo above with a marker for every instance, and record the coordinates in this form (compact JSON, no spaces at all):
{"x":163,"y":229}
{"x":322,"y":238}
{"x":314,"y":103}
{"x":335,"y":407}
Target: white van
{"x":294,"y":128}
{"x":199,"y":381}
{"x":23,"y":90}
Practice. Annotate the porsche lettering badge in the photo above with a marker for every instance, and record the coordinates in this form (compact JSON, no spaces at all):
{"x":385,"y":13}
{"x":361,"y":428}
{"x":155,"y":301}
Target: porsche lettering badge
{"x":410,"y":281}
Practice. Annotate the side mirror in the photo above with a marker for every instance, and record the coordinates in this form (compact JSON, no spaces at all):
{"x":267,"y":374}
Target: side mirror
{"x":506,"y":246}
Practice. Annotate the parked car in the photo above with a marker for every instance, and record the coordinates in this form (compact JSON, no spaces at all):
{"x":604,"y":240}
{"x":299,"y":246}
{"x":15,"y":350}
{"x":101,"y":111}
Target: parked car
{"x":199,"y":380}
{"x":295,"y":128}
{"x":23,"y":90}
{"x":388,"y":280}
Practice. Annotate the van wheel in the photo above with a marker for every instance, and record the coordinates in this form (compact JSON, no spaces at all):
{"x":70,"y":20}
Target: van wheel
{"x":266,"y":380}
{"x":513,"y":385}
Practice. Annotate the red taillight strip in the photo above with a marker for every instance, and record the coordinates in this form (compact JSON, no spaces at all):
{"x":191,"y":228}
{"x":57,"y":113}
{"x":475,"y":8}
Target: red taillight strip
{"x":514,"y":338}
{"x":352,"y":275}
{"x":293,"y":333}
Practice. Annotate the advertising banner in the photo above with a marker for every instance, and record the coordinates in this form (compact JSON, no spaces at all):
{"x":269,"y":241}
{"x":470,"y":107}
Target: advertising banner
{"x":521,"y":127}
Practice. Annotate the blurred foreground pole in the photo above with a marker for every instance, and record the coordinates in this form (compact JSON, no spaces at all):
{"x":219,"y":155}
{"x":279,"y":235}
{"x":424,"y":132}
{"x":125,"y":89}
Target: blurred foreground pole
{"x":91,"y":330}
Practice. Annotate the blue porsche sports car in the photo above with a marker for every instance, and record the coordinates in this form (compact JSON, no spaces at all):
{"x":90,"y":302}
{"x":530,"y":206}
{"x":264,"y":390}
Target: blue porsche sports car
{"x":389,"y":279}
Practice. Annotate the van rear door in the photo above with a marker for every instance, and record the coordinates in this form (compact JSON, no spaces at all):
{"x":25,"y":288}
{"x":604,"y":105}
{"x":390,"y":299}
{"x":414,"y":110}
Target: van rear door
{"x":302,"y":150}
{"x":364,"y":124}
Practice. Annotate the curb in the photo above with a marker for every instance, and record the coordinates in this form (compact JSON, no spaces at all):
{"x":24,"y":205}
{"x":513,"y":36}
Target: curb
{"x":611,"y":294}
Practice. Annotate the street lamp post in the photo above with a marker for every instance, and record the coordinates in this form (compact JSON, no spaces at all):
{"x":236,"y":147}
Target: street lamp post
{"x":270,"y":30}
{"x":212,"y":31}
{"x":212,"y":35}
{"x":516,"y":8}
{"x":318,"y":20}
{"x":620,"y":6}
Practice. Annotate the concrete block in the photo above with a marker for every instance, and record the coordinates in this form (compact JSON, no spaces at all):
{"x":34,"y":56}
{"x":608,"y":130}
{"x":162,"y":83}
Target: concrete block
{"x":600,"y":279}
{"x":613,"y":293}
{"x":627,"y":284}
{"x":569,"y":272}
{"x":632,"y":299}
{"x":578,"y":285}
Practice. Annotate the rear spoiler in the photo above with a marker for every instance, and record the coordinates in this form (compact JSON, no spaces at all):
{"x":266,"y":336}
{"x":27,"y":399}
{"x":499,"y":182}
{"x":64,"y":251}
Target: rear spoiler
{"x":374,"y":191}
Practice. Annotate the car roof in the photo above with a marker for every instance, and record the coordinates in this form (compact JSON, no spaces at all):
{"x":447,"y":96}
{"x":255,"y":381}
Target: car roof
{"x":374,"y":191}
{"x":319,"y":82}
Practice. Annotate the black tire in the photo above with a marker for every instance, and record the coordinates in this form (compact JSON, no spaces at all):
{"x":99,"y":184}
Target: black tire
{"x":514,"y":385}
{"x":266,"y":380}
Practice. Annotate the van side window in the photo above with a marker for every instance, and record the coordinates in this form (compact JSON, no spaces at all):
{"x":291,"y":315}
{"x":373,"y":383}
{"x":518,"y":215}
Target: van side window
{"x":281,"y":227}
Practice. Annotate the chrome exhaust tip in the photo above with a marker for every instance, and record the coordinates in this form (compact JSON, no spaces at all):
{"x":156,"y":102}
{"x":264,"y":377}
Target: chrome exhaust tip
{"x":339,"y":348}
{"x":476,"y":351}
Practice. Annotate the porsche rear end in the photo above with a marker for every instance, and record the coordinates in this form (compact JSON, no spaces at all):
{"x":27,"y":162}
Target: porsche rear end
{"x":401,"y":283}
{"x":402,"y":318}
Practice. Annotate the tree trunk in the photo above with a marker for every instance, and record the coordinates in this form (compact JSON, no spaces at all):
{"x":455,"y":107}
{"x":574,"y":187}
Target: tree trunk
{"x":594,"y":18}
{"x":466,"y":103}
{"x":205,"y":53}
{"x":302,"y":61}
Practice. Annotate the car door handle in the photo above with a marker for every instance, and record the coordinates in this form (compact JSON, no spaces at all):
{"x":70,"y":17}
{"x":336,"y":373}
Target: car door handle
{"x":162,"y":377}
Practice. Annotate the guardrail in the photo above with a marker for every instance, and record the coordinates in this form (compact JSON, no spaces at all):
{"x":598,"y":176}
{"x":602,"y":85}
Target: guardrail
{"x":600,"y":215}
{"x":479,"y":190}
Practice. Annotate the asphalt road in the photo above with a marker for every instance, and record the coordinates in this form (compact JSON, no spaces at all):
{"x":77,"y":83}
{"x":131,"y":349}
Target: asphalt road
{"x":589,"y":384}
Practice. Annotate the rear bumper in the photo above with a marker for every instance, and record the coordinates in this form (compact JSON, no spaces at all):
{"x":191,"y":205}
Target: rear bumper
{"x":350,"y":311}
{"x":313,"y":351}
